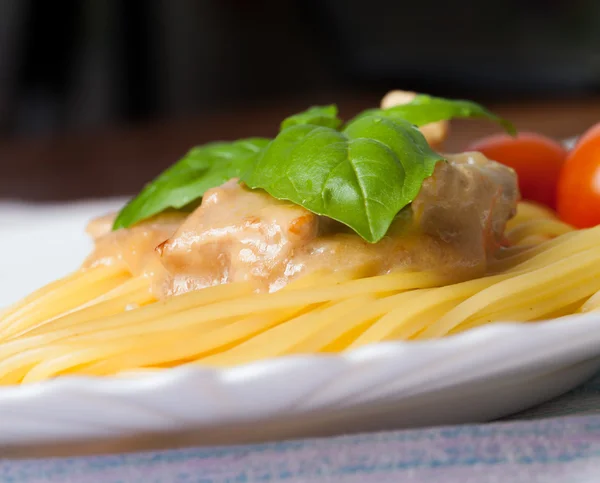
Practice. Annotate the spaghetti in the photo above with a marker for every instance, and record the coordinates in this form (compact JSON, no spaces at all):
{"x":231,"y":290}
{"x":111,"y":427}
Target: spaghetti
{"x":81,"y":325}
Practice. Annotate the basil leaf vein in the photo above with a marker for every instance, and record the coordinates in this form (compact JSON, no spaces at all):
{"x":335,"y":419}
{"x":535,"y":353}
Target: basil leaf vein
{"x":202,"y":168}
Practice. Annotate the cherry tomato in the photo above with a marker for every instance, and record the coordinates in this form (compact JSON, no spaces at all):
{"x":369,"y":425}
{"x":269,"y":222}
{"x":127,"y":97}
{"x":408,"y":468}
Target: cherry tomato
{"x":537,"y":160}
{"x":578,"y":192}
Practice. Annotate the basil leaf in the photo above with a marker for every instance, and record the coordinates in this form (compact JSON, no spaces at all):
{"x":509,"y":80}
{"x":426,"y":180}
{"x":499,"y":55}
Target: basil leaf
{"x":362,"y":176}
{"x":424,"y":109}
{"x":317,"y":115}
{"x":186,"y":181}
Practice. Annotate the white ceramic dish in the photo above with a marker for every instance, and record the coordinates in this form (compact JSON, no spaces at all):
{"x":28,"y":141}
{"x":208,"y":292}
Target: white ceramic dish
{"x":480,"y":375}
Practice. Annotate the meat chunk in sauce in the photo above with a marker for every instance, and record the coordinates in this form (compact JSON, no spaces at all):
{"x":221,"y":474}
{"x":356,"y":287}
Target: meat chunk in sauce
{"x":236,"y":235}
{"x":464,"y":206}
{"x":454,"y":226}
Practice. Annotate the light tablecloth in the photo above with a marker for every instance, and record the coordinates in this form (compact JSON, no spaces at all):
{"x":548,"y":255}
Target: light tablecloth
{"x":539,"y":445}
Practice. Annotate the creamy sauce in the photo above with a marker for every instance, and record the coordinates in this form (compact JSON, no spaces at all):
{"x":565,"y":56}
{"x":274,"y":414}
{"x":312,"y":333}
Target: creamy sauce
{"x":454,"y":226}
{"x":136,"y":246}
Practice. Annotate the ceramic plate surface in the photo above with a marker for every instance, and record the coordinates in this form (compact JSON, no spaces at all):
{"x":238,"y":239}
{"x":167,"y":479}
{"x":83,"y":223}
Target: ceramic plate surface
{"x":476,"y":376}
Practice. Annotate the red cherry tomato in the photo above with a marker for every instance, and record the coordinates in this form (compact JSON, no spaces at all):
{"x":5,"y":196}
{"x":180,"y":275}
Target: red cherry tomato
{"x":537,"y":160}
{"x":578,"y":192}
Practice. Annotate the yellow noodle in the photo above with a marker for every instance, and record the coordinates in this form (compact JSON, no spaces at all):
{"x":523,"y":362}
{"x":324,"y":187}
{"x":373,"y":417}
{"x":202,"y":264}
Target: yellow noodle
{"x":47,"y":292}
{"x":134,"y":284}
{"x":153,"y":349}
{"x":550,"y":285}
{"x":593,"y":303}
{"x":137,"y":298}
{"x":60,"y":289}
{"x":575,"y":265}
{"x":529,"y":302}
{"x":527,"y":211}
{"x":283,"y":337}
{"x":51,"y":366}
{"x":131,"y":320}
{"x":565,"y":245}
{"x":15,"y":367}
{"x":41,"y":310}
{"x":340,"y":333}
{"x":564,"y":311}
{"x":407,"y":318}
{"x":93,"y":352}
{"x":532,"y":240}
{"x":550,"y":228}
{"x":543,"y":305}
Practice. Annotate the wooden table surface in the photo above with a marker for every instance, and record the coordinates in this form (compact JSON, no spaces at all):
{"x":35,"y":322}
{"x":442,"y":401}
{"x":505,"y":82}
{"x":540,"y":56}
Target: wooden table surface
{"x":118,"y":162}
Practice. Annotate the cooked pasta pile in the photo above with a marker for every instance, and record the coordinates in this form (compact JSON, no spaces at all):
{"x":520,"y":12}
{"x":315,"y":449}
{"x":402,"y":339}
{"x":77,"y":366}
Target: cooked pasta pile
{"x":104,"y":321}
{"x":329,"y":236}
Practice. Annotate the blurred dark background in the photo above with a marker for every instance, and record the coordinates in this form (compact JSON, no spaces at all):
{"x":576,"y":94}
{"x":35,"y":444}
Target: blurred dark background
{"x":98,"y":95}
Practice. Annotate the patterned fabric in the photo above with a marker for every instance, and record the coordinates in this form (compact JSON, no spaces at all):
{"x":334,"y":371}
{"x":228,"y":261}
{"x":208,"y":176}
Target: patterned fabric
{"x":583,"y":400}
{"x":553,"y":450}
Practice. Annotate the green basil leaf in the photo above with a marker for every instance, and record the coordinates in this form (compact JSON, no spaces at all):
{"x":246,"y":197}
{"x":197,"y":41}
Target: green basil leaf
{"x":424,"y":109}
{"x":318,"y":115}
{"x":362,"y":176}
{"x":186,"y":181}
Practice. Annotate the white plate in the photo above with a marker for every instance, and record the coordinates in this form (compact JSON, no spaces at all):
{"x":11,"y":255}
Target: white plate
{"x":476,"y":376}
